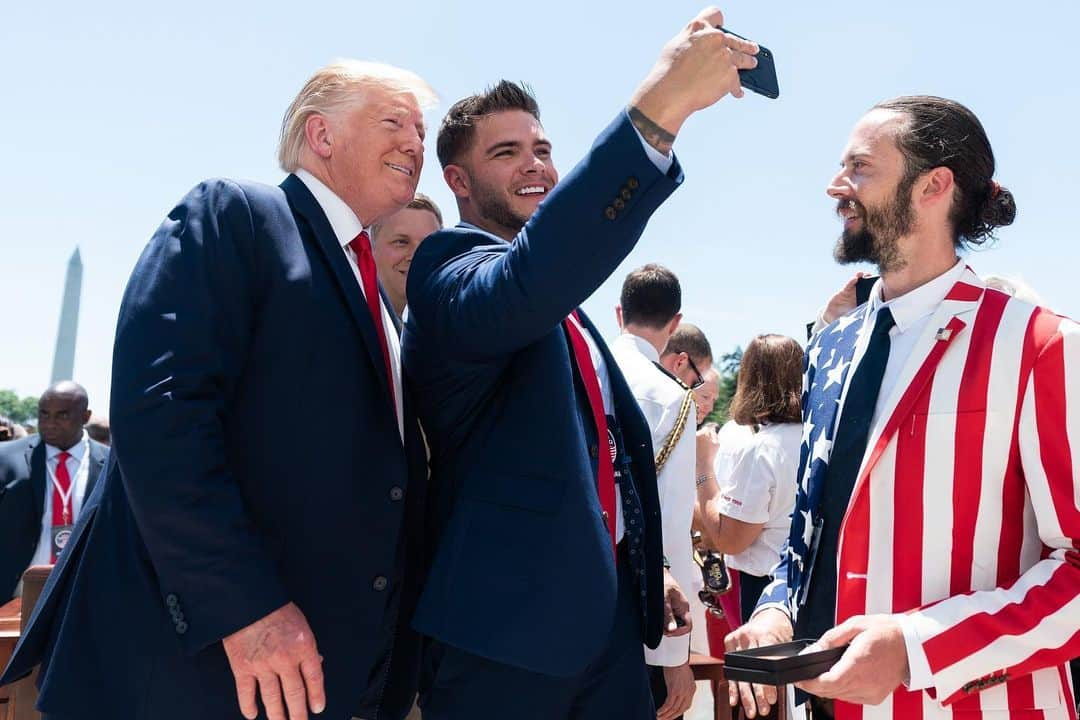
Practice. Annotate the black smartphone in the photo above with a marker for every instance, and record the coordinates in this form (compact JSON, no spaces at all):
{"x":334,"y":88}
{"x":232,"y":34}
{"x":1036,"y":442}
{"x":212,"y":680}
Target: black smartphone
{"x":761,"y":79}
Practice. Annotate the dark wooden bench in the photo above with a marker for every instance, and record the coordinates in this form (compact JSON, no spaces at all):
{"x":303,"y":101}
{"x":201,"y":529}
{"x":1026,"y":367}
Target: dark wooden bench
{"x":18,"y":699}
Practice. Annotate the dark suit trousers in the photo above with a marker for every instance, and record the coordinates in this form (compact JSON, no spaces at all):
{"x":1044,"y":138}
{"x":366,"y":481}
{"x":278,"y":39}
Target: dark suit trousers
{"x":615,"y":685}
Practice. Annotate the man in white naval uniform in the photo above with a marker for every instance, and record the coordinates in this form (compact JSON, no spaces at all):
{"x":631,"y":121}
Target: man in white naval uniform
{"x":648,"y":314}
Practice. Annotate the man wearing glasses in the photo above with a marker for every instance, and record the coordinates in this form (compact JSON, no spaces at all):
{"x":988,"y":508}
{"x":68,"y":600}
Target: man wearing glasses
{"x":688,"y":355}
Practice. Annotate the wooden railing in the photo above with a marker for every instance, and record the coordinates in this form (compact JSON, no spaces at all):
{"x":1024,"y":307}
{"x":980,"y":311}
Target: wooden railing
{"x":17,"y":700}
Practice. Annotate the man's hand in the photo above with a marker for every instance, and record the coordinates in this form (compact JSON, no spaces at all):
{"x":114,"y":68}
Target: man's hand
{"x":680,"y":692}
{"x":843,"y":301}
{"x":870,"y":669}
{"x":677,"y":620}
{"x":768,"y":627}
{"x":695,"y":69}
{"x":277,"y":654}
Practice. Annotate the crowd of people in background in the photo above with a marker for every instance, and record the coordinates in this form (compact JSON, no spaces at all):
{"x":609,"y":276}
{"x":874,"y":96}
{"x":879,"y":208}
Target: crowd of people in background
{"x":505,"y":514}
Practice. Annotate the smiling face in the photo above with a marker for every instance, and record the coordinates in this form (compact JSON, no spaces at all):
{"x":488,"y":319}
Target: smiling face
{"x":396,"y":241}
{"x":873,"y":194}
{"x":505,"y":174}
{"x":371,"y":154}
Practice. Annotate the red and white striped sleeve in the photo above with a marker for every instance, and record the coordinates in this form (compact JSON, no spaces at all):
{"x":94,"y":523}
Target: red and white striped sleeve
{"x":977,"y":639}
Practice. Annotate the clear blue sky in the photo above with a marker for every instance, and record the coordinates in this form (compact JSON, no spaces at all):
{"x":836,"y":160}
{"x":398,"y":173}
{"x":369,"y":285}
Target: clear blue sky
{"x":111,"y":111}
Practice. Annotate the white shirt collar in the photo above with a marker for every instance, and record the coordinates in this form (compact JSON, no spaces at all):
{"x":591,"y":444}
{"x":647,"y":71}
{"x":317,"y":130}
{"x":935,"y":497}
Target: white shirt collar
{"x":77,"y":451}
{"x":643,"y":346}
{"x":919,"y":303}
{"x":343,"y":220}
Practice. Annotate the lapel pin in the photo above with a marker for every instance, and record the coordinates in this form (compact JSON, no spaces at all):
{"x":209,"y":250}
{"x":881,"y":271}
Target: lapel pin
{"x":943,"y":334}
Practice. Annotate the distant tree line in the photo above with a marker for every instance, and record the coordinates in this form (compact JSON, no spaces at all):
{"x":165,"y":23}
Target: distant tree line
{"x":728,"y":367}
{"x":20,"y":410}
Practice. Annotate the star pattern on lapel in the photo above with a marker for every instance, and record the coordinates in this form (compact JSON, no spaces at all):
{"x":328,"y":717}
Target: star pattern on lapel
{"x":808,"y":427}
{"x":828,"y":363}
{"x":843,"y":322}
{"x":822,"y":446}
{"x":836,"y":374}
{"x":808,"y":527}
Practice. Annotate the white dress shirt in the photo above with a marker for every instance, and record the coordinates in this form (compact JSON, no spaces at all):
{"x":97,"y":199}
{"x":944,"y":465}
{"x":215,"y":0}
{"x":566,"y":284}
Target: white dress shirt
{"x":660,"y":399}
{"x":759,"y":489}
{"x":346,"y":227}
{"x":78,"y":467}
{"x":911,"y":312}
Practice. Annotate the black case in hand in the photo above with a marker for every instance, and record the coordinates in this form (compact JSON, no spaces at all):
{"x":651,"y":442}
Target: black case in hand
{"x":779,"y":664}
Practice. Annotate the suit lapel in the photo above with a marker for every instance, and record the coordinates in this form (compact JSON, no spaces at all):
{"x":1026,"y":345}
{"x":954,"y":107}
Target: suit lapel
{"x":947,"y":323}
{"x":98,"y":455}
{"x":39,"y":476}
{"x":304,"y":203}
{"x":632,"y":423}
{"x":942,"y":329}
{"x":615,"y":378}
{"x":828,"y":365}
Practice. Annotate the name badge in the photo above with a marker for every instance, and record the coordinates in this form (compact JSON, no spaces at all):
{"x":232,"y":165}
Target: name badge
{"x":60,"y":536}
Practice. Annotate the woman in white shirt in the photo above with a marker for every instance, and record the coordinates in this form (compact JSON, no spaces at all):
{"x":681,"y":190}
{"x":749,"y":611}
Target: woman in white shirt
{"x":746,"y":498}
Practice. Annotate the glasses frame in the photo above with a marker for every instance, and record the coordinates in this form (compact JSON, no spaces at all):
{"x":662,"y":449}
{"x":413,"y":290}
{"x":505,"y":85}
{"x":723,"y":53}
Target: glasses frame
{"x":700,"y":379}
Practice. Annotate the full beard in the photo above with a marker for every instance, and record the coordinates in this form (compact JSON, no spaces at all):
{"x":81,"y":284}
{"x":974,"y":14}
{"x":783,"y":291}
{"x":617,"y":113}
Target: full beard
{"x":878,"y":240}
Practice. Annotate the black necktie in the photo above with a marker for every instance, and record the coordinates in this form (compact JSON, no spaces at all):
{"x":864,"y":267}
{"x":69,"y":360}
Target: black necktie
{"x":849,"y":446}
{"x":853,"y":429}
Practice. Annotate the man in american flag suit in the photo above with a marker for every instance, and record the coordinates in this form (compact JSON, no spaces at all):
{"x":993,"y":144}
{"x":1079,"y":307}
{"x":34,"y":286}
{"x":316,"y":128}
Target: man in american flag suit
{"x":937,"y":518}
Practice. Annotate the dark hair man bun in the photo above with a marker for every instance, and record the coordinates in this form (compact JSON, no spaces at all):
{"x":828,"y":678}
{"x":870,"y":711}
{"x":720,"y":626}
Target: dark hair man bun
{"x":943,"y":133}
{"x":998,"y":210}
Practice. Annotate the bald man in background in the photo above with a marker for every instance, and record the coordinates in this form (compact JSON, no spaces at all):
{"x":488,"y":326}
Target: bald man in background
{"x":43,"y":481}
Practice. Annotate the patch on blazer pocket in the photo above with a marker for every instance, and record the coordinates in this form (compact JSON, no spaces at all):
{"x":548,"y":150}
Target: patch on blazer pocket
{"x":538,"y":493}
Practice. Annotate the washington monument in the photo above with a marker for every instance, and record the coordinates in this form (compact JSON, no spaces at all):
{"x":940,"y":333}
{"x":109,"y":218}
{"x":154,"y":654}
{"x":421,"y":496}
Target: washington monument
{"x":64,"y":360}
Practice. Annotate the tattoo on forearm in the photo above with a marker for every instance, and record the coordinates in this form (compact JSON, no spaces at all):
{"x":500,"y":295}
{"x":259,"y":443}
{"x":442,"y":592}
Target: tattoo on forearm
{"x":655,"y":135}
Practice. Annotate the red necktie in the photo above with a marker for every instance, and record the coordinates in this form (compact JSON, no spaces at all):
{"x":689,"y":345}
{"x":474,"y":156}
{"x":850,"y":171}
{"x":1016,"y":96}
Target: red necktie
{"x":605,"y":484}
{"x":361,"y":245}
{"x":61,"y":499}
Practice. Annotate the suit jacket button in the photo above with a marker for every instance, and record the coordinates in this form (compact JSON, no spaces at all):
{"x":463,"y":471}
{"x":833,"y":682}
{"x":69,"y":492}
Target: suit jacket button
{"x":379,"y":583}
{"x":171,"y":600}
{"x":626,"y":193}
{"x":618,"y":203}
{"x":396,"y":493}
{"x":181,"y":627}
{"x":609,"y":213}
{"x":632,"y":183}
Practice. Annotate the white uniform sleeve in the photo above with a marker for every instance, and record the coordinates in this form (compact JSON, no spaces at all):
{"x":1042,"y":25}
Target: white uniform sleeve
{"x":745,"y":494}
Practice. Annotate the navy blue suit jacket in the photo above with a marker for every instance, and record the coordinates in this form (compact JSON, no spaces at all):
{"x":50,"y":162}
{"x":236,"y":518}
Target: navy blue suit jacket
{"x":256,"y":461}
{"x":523,"y":572}
{"x":23,"y":484}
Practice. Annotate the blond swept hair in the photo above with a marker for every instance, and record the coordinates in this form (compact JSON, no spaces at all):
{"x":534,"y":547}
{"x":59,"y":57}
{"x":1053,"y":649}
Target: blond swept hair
{"x":337,"y":86}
